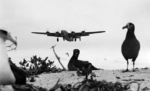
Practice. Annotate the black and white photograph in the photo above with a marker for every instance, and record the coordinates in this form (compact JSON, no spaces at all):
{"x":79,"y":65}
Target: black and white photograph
{"x":75,"y":45}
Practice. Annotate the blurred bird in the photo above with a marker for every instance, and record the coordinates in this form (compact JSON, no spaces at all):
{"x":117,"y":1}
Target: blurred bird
{"x":67,"y":54}
{"x":9,"y":72}
{"x":131,"y":46}
{"x":75,"y":64}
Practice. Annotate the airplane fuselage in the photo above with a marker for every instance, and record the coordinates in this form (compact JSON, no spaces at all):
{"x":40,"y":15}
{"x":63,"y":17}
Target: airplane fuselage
{"x":66,"y":36}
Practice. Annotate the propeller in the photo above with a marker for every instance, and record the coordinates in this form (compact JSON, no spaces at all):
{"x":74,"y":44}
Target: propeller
{"x":73,"y":33}
{"x":59,"y":31}
{"x":47,"y":31}
{"x":83,"y":31}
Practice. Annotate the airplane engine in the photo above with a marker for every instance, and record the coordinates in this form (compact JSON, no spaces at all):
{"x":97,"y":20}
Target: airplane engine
{"x":57,"y":33}
{"x":48,"y":33}
{"x":73,"y":33}
{"x":83,"y":32}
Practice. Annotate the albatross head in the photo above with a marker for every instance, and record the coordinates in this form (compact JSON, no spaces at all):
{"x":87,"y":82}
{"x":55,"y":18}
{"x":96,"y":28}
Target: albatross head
{"x":7,"y":36}
{"x":76,"y":52}
{"x":128,"y":26}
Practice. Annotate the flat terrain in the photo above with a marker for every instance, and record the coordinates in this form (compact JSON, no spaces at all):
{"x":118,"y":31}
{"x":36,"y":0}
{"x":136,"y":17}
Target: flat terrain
{"x":142,"y":76}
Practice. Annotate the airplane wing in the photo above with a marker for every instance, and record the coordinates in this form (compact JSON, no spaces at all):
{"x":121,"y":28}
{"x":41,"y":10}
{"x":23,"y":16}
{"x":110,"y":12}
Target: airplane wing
{"x":94,"y":32}
{"x":83,"y":33}
{"x":40,"y":33}
{"x":57,"y":34}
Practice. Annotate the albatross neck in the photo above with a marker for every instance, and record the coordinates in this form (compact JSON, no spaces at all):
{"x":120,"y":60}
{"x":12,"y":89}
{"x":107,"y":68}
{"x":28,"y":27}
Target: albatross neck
{"x":3,"y":53}
{"x":130,"y":33}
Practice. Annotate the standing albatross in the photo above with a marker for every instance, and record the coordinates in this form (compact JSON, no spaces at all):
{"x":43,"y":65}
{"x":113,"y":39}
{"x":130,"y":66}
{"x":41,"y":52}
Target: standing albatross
{"x":9,"y":72}
{"x":130,"y":46}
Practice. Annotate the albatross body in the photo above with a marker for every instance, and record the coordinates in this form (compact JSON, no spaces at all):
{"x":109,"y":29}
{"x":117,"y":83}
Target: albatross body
{"x":131,"y":46}
{"x":75,"y":64}
{"x":8,"y":75}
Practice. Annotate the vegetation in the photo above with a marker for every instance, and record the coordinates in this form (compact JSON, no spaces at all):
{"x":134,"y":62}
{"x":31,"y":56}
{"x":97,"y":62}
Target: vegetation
{"x":58,"y":58}
{"x":88,"y":84}
{"x":37,"y":65}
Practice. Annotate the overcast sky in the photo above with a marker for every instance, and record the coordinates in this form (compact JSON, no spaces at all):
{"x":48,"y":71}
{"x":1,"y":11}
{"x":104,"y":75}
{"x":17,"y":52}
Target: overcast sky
{"x":21,"y":17}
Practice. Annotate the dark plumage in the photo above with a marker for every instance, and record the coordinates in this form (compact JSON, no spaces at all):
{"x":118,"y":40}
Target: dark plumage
{"x":19,"y":74}
{"x":130,"y":46}
{"x":9,"y":72}
{"x":75,"y":64}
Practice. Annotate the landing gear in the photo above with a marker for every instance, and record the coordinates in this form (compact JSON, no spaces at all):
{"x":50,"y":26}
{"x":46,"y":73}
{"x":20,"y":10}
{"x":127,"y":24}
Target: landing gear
{"x":57,"y":39}
{"x":75,"y":39}
{"x":63,"y":39}
{"x":80,"y":39}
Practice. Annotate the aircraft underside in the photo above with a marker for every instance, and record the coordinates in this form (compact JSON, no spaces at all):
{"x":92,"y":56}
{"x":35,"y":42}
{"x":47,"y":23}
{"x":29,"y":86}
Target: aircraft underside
{"x":73,"y":36}
{"x":69,"y":39}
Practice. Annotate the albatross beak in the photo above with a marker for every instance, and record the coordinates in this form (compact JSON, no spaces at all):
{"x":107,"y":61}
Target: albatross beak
{"x":125,"y":27}
{"x":9,"y":37}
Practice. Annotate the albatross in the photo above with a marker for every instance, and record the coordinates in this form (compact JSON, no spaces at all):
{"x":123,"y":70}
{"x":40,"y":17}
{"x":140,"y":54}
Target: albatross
{"x":75,"y":64}
{"x":131,"y":46}
{"x":9,"y":72}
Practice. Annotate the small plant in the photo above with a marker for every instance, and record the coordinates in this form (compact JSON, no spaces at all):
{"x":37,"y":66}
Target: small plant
{"x":58,"y":58}
{"x":38,"y":66}
{"x":91,"y":84}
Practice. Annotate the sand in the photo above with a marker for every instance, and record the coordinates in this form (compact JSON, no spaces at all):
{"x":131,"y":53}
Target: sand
{"x":142,"y":76}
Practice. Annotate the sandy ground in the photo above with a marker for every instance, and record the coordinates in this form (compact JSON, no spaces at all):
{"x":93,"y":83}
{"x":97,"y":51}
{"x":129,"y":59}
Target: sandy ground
{"x":142,"y":76}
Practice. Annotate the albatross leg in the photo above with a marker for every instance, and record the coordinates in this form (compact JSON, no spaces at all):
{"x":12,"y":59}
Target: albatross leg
{"x":133,"y":64}
{"x":127,"y":66}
